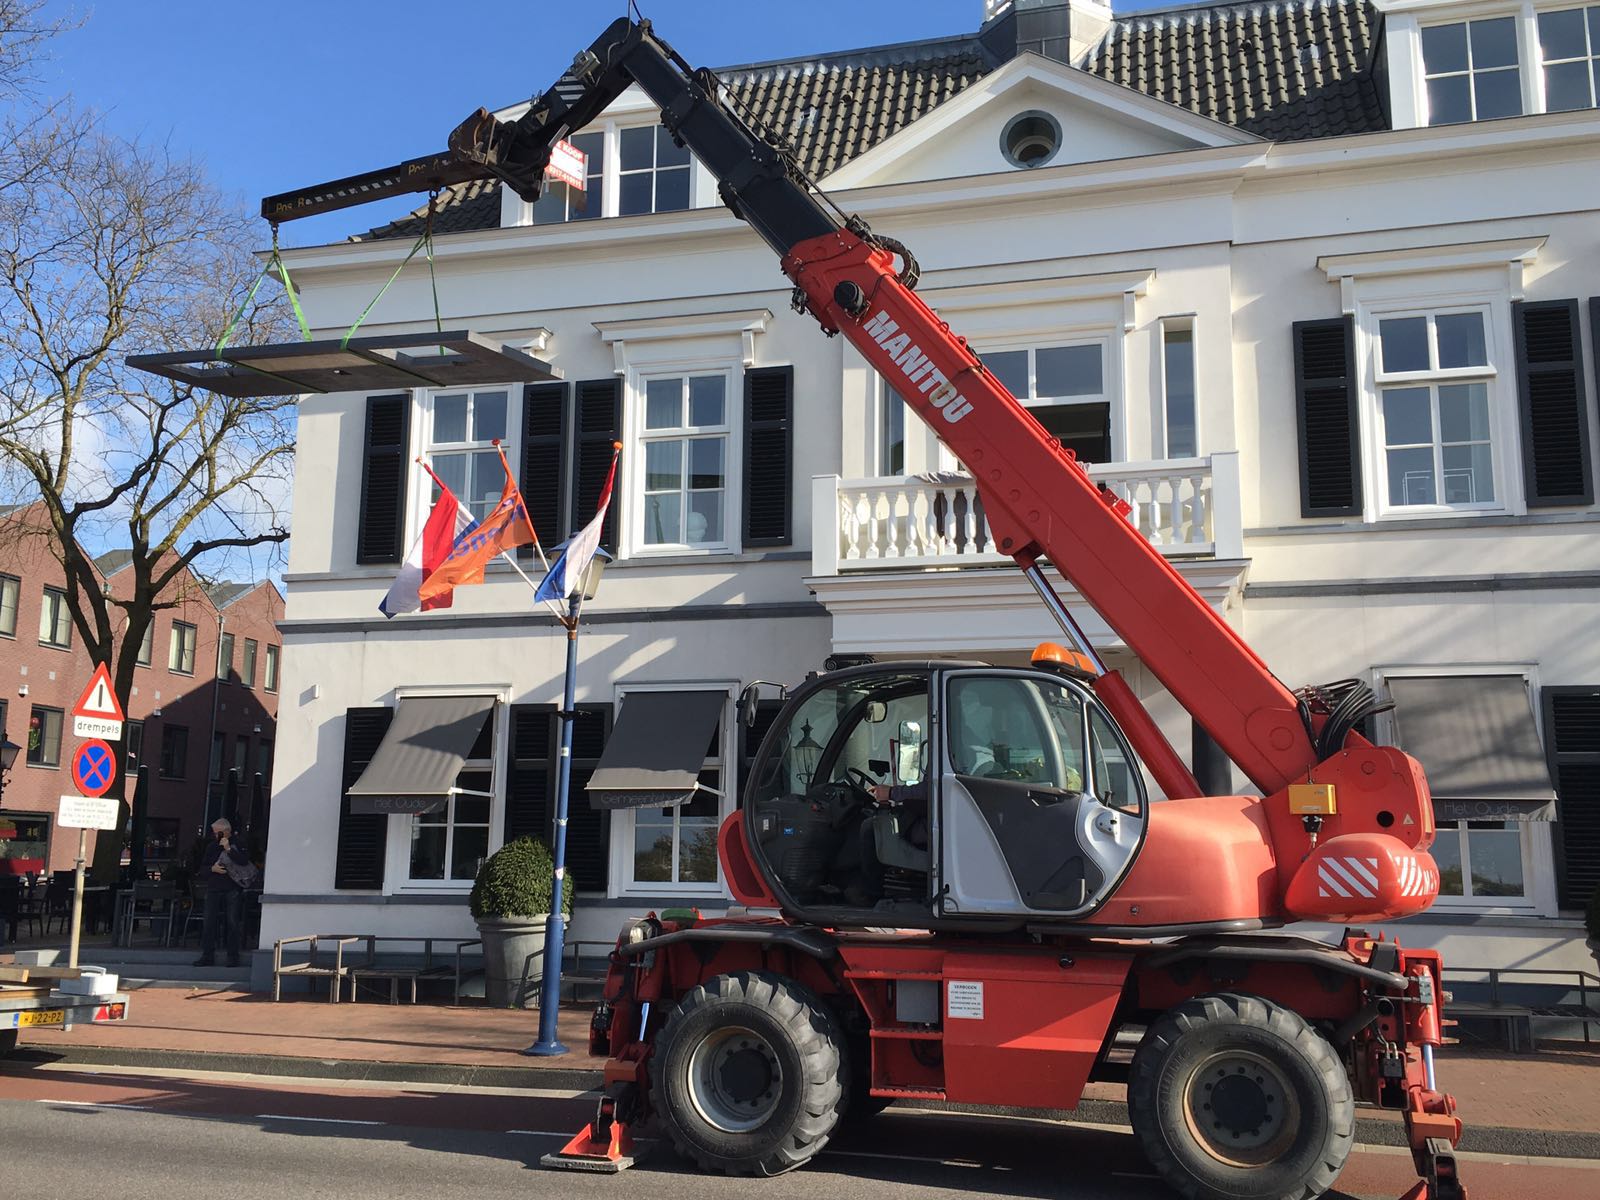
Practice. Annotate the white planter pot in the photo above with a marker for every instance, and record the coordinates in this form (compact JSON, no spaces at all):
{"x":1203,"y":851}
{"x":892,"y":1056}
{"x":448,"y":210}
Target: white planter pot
{"x":513,"y":960}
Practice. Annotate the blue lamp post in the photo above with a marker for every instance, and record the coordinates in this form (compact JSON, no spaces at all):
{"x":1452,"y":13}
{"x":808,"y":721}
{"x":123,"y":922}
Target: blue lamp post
{"x":549,"y":1043}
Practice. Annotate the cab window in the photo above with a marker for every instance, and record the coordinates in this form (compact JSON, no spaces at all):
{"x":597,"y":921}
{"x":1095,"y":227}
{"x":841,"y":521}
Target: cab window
{"x":1018,"y":728}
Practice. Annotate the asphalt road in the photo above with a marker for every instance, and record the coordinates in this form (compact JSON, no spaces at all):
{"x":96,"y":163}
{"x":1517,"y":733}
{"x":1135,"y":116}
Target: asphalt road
{"x":147,"y":1135}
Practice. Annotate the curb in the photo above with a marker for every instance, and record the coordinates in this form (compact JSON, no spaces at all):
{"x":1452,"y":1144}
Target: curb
{"x":1477,"y":1139}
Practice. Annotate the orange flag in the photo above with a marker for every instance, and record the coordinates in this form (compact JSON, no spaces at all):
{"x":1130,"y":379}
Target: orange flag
{"x":506,"y":527}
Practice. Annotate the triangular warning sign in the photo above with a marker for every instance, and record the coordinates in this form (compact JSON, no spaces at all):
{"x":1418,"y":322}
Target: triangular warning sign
{"x":1408,"y":820}
{"x":98,"y":699}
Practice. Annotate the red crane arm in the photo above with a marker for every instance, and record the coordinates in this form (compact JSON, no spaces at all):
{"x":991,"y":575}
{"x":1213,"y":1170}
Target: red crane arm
{"x":1041,"y":503}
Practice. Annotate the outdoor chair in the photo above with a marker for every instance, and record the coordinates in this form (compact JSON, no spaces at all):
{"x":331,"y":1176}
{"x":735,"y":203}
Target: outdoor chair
{"x":57,"y":904}
{"x":194,"y":913}
{"x":155,"y":904}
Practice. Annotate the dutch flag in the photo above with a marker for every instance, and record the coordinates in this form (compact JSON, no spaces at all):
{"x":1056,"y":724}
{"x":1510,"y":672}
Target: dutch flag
{"x":566,"y":573}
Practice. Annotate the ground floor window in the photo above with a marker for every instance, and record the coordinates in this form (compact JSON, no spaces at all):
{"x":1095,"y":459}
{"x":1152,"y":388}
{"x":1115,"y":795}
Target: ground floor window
{"x":160,"y":840}
{"x":673,"y":848}
{"x":450,"y":844}
{"x":24,"y":843}
{"x":1482,"y":861}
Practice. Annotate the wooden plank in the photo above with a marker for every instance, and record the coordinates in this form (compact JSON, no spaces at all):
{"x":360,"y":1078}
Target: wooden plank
{"x":10,"y":974}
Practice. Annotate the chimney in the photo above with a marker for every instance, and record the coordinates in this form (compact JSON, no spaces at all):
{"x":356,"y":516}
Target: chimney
{"x":1065,"y":30}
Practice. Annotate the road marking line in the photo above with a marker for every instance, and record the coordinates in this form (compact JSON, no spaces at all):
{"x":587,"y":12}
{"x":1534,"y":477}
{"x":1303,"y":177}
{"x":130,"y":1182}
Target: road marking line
{"x":1489,"y":1156}
{"x":917,"y":1158}
{"x":315,"y":1082}
{"x":315,"y":1120}
{"x":95,"y":1104}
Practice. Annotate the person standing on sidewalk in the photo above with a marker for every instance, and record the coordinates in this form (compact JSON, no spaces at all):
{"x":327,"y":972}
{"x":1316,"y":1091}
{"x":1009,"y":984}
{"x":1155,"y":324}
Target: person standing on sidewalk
{"x":224,"y":896}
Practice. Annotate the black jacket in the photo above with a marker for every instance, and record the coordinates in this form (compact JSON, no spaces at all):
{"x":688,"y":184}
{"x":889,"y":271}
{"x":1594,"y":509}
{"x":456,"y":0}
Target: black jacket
{"x":221,"y":881}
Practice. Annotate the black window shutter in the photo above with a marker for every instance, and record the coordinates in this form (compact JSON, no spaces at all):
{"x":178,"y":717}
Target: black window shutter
{"x":768,"y":455}
{"x":383,"y":480}
{"x":530,"y":782}
{"x":544,"y":462}
{"x":1572,"y":744}
{"x":1555,"y":418}
{"x":588,"y":828}
{"x":362,"y":838}
{"x":1330,"y":425}
{"x":598,"y":424}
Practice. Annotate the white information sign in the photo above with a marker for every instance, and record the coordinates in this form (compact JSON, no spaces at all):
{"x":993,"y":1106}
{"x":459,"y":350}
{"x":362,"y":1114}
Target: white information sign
{"x":85,"y":812}
{"x":96,"y":727}
{"x":964,"y":998}
{"x":569,"y":165}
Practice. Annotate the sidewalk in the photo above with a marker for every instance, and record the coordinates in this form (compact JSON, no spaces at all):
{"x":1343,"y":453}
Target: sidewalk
{"x":1554,"y":1091}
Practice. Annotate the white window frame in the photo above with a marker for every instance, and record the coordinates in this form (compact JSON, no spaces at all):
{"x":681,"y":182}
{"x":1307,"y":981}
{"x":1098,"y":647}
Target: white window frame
{"x":175,"y":644}
{"x":397,"y":870}
{"x":420,"y":502}
{"x":1538,"y":853}
{"x":630,"y":111}
{"x":1178,"y":323}
{"x":1471,"y":73}
{"x":13,"y":585}
{"x":883,"y":397}
{"x":274,"y":666}
{"x":147,"y":646}
{"x":1404,"y":21}
{"x":1542,"y":63}
{"x":633,"y":467}
{"x":1111,"y":390}
{"x":1504,"y":420}
{"x":622,"y":822}
{"x":59,"y":616}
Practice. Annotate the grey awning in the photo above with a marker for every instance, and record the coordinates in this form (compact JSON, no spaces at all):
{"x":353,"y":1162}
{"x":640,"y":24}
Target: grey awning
{"x":415,"y":768}
{"x":657,"y":750}
{"x":1475,"y":738}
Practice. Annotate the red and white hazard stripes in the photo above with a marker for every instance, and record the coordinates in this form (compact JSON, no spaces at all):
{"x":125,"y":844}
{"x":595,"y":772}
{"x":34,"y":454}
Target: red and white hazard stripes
{"x":1416,"y":879}
{"x":1348,"y":876}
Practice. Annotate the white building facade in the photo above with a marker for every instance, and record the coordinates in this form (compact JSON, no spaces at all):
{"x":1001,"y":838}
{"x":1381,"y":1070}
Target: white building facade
{"x":1308,"y":283}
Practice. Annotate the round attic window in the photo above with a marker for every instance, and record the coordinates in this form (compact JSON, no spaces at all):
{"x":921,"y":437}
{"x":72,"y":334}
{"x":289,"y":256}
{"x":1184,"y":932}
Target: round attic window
{"x":1030,"y":139}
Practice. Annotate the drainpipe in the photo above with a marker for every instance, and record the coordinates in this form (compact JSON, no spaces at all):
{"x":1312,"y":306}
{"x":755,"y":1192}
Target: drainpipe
{"x":211,"y":736}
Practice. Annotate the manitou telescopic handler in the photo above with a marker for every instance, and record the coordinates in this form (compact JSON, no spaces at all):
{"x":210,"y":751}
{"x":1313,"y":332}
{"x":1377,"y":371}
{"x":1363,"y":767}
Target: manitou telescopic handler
{"x":967,"y":894}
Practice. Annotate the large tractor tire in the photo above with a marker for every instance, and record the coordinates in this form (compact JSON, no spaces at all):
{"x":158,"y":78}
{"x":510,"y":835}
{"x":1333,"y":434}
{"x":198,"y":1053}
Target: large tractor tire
{"x":749,"y":1074}
{"x":1234,"y":1097}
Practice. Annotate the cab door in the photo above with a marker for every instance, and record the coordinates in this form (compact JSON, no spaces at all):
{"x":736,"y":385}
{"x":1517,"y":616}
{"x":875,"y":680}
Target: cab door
{"x":1039,"y":811}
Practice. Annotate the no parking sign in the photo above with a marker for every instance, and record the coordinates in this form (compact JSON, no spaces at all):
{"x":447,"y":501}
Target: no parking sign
{"x":94,"y":766}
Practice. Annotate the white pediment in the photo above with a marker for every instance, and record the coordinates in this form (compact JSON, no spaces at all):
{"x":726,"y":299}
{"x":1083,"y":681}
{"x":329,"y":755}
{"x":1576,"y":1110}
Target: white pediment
{"x":1099,"y":121}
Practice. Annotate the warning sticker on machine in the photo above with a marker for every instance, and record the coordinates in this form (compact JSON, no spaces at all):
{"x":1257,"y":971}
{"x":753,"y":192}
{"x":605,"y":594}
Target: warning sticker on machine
{"x":964,"y":998}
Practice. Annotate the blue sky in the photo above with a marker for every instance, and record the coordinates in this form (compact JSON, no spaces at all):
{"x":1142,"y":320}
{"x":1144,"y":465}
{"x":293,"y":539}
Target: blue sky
{"x":273,"y":96}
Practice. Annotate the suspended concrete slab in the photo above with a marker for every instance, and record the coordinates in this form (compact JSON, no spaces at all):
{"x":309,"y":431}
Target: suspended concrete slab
{"x":363,"y":364}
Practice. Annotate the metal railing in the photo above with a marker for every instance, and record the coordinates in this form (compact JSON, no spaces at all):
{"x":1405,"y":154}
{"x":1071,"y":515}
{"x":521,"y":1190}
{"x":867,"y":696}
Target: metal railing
{"x":1186,"y":507}
{"x":1586,"y":986}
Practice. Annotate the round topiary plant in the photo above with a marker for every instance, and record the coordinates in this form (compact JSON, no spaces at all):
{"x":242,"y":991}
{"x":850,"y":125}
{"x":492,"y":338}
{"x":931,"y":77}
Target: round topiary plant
{"x":517,"y":880}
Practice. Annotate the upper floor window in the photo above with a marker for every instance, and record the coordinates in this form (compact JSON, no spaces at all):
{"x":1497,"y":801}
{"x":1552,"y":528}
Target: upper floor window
{"x":225,"y":657}
{"x":653,"y":172}
{"x":684,"y":439}
{"x":1064,"y":387}
{"x":55,"y":621}
{"x":146,"y":646}
{"x":270,"y":681}
{"x":10,"y":595}
{"x":1569,"y":44}
{"x":180,"y":656}
{"x":1178,"y":389}
{"x":460,"y":446}
{"x":1433,"y":379}
{"x":1471,"y":68}
{"x":248,"y":674}
{"x":174,"y":752}
{"x":44,"y":737}
{"x":562,"y":202}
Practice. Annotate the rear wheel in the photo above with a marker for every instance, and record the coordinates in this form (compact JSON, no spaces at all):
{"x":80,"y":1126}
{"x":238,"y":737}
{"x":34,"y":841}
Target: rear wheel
{"x":1235,"y":1097}
{"x":749,"y":1074}
{"x":8,"y":1041}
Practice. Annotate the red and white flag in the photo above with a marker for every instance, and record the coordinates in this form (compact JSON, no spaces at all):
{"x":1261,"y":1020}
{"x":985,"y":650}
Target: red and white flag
{"x":446,"y":523}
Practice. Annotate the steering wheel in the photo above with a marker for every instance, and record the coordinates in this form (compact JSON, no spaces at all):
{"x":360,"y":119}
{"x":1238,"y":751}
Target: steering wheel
{"x":863,"y":783}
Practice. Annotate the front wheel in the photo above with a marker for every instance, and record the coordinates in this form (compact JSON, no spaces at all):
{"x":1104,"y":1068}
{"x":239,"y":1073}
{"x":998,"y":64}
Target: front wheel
{"x":748,"y":1073}
{"x":1235,"y":1097}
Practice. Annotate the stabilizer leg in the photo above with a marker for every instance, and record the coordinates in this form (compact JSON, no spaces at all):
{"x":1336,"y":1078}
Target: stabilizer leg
{"x":604,"y":1145}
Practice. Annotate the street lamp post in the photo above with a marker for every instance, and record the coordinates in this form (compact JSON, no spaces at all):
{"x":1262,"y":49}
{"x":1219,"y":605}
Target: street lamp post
{"x":549,"y":1043}
{"x":8,"y":757}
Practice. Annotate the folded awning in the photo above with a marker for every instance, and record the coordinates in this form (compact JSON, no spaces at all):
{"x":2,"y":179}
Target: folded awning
{"x":656,"y":751}
{"x":1475,"y":738}
{"x":415,"y":768}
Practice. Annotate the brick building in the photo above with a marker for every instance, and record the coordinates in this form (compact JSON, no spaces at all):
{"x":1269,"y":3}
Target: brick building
{"x":203,"y":705}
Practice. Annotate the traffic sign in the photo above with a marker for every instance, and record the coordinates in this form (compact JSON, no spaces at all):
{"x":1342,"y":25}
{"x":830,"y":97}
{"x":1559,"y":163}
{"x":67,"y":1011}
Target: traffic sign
{"x":94,"y":766}
{"x":86,"y":812}
{"x":97,"y":713}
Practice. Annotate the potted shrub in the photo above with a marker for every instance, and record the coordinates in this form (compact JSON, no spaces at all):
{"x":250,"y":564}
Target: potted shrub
{"x":511,"y":903}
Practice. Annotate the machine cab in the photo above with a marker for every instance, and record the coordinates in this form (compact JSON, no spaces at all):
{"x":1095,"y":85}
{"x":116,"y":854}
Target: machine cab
{"x":919,"y":794}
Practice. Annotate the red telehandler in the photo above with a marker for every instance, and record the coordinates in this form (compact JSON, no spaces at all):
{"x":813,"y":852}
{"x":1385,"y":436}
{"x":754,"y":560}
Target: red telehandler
{"x":950,"y":882}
